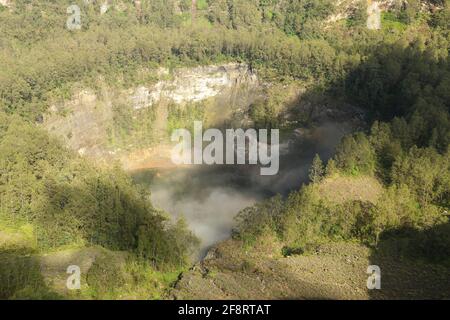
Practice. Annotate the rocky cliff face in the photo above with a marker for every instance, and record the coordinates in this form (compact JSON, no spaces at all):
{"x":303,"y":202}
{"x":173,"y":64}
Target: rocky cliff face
{"x":84,"y":121}
{"x":194,"y":85}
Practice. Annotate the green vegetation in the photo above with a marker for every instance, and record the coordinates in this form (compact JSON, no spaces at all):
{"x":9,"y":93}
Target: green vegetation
{"x":70,"y":202}
{"x":120,"y":43}
{"x":184,"y":116}
{"x":52,"y":199}
{"x":316,"y":171}
{"x":21,"y":278}
{"x":391,"y":22}
{"x":109,"y":279}
{"x":406,"y":85}
{"x":131,"y":127}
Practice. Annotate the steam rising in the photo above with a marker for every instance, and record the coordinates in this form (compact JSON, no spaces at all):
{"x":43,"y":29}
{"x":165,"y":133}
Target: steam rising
{"x":209,"y":217}
{"x":209,"y":197}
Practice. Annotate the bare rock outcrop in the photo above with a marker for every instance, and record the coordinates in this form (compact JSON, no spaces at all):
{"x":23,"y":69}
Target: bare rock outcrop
{"x":85,"y":121}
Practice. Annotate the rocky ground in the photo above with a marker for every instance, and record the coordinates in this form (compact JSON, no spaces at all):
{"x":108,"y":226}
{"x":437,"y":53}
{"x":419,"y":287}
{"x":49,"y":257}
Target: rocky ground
{"x":332,"y":271}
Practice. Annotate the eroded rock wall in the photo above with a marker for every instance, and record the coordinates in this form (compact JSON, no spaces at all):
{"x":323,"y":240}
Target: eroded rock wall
{"x":84,"y":121}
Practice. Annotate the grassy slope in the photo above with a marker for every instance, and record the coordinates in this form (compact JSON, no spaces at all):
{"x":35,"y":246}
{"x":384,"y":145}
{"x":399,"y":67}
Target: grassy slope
{"x":105,"y":274}
{"x":334,"y":270}
{"x":230,"y":271}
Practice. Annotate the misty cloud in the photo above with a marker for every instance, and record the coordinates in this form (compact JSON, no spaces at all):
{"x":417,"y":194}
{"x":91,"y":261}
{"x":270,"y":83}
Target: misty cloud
{"x":209,"y":197}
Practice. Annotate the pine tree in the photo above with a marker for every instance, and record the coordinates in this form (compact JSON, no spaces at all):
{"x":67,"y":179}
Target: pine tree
{"x":317,"y":171}
{"x":331,"y":168}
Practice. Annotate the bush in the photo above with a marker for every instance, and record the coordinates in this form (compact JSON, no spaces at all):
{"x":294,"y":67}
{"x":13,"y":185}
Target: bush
{"x":105,"y":277}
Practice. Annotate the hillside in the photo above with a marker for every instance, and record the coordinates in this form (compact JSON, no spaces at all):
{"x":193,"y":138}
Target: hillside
{"x":334,"y":271}
{"x":90,"y":92}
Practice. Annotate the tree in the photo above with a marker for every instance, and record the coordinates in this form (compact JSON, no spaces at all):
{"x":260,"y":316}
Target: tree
{"x":355,"y":155}
{"x":442,"y":17}
{"x":316,"y":172}
{"x":359,"y":15}
{"x":331,"y":168}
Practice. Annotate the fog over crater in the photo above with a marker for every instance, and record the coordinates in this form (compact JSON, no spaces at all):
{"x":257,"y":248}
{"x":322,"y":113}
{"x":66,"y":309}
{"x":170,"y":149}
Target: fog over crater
{"x":209,"y":197}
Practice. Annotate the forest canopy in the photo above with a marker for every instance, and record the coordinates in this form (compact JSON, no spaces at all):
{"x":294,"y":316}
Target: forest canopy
{"x":399,"y":75}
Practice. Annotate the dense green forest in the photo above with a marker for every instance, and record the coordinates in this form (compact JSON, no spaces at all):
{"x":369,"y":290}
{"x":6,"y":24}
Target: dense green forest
{"x":55,"y":199}
{"x":400,"y":75}
{"x":404,"y":85}
{"x":42,"y":60}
